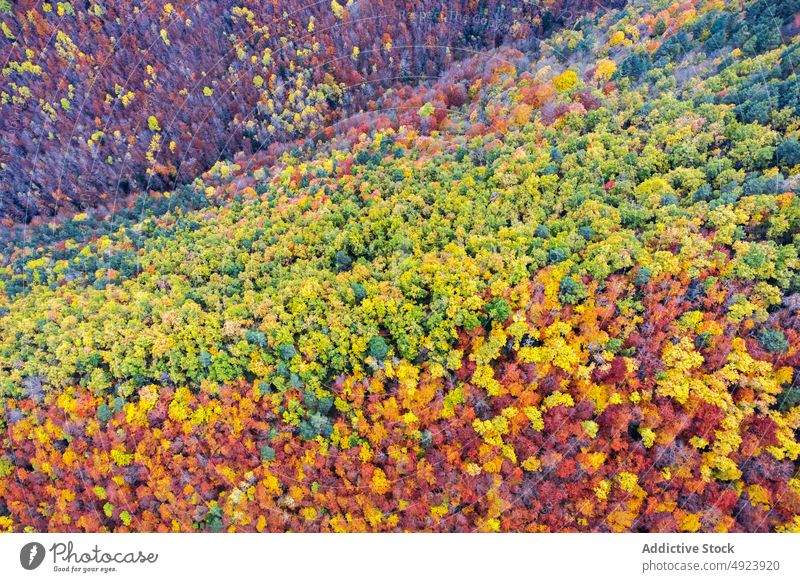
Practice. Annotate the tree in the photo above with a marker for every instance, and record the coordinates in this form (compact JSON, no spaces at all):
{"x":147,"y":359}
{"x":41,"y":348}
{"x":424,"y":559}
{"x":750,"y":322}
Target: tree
{"x":565,"y":81}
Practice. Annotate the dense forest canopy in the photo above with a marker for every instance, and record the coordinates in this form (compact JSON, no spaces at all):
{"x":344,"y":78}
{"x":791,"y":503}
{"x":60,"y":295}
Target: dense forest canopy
{"x":556,"y":288}
{"x":102,"y":99}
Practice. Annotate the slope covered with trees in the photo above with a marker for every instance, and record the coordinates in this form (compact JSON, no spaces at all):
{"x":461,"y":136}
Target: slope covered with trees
{"x":102,"y":99}
{"x":554,"y":290}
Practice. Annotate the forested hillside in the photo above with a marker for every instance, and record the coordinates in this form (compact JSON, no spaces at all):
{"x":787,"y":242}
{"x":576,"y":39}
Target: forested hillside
{"x":554,"y":289}
{"x":102,"y":99}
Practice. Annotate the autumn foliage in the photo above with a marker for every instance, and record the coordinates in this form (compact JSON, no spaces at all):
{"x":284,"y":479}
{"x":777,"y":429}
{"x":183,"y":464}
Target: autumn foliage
{"x":99,"y":100}
{"x":555,"y":289}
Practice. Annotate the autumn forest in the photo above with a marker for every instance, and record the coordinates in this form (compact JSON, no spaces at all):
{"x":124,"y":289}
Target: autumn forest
{"x":411,"y":266}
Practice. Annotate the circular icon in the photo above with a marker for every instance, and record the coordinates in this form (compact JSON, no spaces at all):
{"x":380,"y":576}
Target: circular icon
{"x":31,"y":555}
